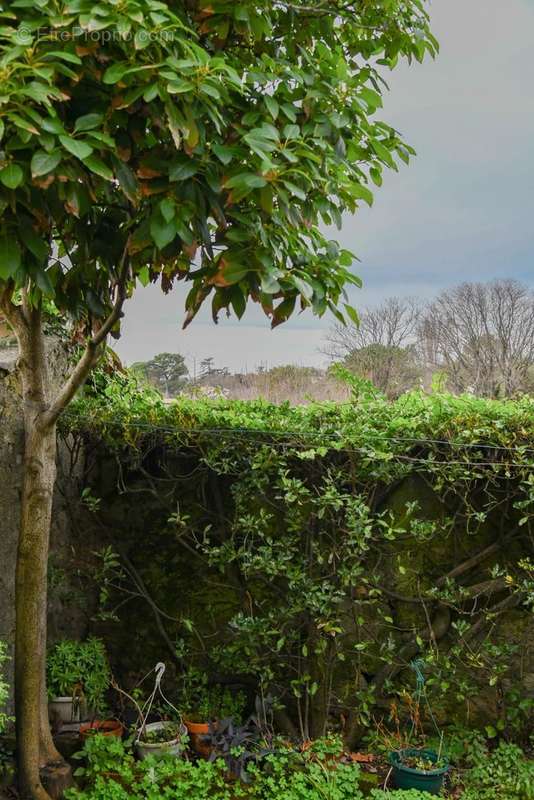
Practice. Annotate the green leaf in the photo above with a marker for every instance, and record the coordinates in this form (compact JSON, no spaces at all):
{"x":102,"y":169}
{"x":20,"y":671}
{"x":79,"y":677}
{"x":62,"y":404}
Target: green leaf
{"x":224,"y":154}
{"x":33,"y":242}
{"x":304,"y":288}
{"x":144,"y":276}
{"x":162,"y":232}
{"x":72,"y":58}
{"x":43,"y":162}
{"x":10,"y":257}
{"x":167,"y":209}
{"x":11,"y":176}
{"x":53,"y":125}
{"x":114,"y":73}
{"x":96,"y":165}
{"x":234,"y":272}
{"x":79,"y":149}
{"x":127,"y":180}
{"x":179,"y":87}
{"x":246,"y":180}
{"x":238,"y":301}
{"x":383,"y":153}
{"x":295,"y":190}
{"x":44,"y":283}
{"x":361,"y":192}
{"x":88,"y":122}
{"x":272,"y":105}
{"x":2,"y":128}
{"x":182,"y":170}
{"x":353,"y":316}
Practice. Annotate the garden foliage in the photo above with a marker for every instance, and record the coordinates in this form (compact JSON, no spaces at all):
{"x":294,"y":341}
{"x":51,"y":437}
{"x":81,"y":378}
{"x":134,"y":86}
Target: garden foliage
{"x":350,"y":540}
{"x":111,"y":773}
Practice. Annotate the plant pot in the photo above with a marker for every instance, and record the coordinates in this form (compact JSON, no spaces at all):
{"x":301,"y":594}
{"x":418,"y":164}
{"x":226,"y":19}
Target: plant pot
{"x":197,"y":732}
{"x":107,"y":727}
{"x":406,"y":777}
{"x":173,"y":747}
{"x":67,"y":709}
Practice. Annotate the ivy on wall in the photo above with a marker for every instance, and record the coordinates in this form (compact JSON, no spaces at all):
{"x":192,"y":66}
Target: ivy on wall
{"x":333,"y":543}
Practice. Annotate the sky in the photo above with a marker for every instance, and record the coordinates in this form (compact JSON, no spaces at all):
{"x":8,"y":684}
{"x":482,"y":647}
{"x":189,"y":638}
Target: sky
{"x":462,"y":210}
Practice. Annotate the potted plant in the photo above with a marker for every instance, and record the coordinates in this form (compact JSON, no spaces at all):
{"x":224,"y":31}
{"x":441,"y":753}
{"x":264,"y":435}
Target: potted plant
{"x":78,"y":677}
{"x":239,"y":746}
{"x":161,"y":739}
{"x":104,"y":727}
{"x":418,"y":768}
{"x":413,"y":765}
{"x":204,"y":706}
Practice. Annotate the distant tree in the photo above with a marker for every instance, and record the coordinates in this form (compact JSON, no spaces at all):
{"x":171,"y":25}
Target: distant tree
{"x":166,"y":371}
{"x":208,"y":370}
{"x":393,"y":370}
{"x":382,"y":347}
{"x":482,"y":336}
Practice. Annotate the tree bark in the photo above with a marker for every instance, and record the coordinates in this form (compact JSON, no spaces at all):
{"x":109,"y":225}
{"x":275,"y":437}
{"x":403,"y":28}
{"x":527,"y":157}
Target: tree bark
{"x":34,"y":740}
{"x":36,"y":753}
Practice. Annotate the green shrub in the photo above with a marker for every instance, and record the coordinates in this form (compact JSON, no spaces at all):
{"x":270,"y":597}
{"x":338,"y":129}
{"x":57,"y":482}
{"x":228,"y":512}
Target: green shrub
{"x":505,"y":773}
{"x":79,"y":667}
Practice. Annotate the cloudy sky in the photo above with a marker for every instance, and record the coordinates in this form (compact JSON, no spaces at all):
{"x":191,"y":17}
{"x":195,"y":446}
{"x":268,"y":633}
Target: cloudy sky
{"x":462,"y":210}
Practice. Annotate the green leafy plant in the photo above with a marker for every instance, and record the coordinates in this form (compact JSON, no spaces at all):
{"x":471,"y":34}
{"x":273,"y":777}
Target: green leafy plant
{"x":201,"y":702}
{"x":79,"y":669}
{"x":110,"y":771}
{"x":503,"y":773}
{"x":168,"y":733}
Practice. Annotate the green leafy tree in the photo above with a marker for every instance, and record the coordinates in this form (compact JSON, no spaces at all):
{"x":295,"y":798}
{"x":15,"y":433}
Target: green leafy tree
{"x":166,"y":371}
{"x":145,"y":141}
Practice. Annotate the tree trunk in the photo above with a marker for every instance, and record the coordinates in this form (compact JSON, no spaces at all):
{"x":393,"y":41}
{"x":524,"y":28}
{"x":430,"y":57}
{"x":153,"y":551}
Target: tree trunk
{"x":36,"y":753}
{"x":34,"y":740}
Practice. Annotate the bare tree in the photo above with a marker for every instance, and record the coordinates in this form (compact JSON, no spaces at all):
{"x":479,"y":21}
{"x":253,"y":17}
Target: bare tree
{"x":382,"y":347}
{"x":481,"y":336}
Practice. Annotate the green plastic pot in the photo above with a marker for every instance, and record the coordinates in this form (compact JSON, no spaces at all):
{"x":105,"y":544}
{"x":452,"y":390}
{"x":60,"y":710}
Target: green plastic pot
{"x":405,"y":777}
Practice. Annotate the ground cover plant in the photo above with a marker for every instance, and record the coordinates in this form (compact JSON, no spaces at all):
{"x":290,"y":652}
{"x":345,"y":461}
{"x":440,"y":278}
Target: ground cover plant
{"x":108,"y":770}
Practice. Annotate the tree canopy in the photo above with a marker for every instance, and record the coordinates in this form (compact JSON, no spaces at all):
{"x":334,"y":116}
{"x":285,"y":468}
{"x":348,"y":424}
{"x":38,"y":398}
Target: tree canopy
{"x":202,"y":140}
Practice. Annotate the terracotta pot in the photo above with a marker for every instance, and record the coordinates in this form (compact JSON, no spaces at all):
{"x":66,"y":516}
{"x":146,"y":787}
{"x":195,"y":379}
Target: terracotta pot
{"x":107,"y":727}
{"x":197,"y":731}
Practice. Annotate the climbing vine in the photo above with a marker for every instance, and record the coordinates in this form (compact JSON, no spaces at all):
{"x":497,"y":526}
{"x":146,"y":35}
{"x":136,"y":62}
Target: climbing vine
{"x":333,"y":544}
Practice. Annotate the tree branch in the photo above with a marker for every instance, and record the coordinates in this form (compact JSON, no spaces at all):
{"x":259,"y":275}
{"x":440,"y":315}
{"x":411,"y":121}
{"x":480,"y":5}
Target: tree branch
{"x":92,"y":350}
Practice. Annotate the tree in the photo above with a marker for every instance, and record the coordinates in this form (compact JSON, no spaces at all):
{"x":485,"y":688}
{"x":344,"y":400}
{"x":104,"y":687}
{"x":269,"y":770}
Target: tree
{"x":147,"y":141}
{"x":482,"y":337}
{"x":166,"y":371}
{"x":381,"y":347}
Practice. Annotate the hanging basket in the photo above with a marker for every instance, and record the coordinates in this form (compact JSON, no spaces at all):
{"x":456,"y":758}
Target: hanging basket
{"x":164,"y":737}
